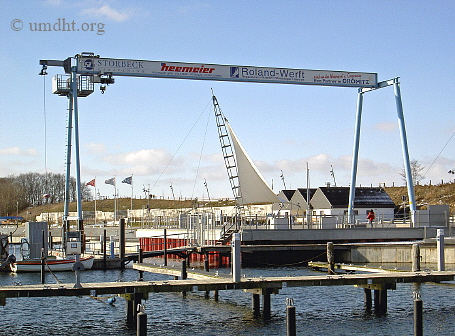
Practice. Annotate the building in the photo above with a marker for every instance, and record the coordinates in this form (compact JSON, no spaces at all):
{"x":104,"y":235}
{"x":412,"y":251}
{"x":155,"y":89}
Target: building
{"x":333,"y":201}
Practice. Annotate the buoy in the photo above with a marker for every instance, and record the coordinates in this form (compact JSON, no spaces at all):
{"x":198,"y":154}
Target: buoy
{"x":111,"y":300}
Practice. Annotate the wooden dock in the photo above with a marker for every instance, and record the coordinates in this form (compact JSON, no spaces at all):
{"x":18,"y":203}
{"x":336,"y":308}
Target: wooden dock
{"x":136,"y":291}
{"x":212,"y":282}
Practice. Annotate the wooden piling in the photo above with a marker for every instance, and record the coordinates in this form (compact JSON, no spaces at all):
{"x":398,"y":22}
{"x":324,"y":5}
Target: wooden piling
{"x":140,"y":259}
{"x":165,"y":247}
{"x":380,"y":302}
{"x":290,"y":321}
{"x":330,"y":259}
{"x":266,"y":304}
{"x":415,"y":257}
{"x":184,"y":274}
{"x":43,"y":259}
{"x":255,"y":304}
{"x":122,"y":243}
{"x":129,"y":305}
{"x":367,"y":300}
{"x":141,"y":324}
{"x":418,"y":317}
{"x":206,"y":263}
{"x":104,"y":246}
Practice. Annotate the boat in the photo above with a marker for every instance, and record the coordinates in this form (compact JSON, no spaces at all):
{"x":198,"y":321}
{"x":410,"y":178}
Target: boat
{"x":55,"y":265}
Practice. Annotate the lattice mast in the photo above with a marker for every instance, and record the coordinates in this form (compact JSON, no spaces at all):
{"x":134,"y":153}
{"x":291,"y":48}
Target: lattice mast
{"x":228,"y":155}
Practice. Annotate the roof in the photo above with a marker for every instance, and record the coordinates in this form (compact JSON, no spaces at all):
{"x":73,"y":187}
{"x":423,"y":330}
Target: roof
{"x":304,"y":191}
{"x":288,"y":194}
{"x":364,"y":197}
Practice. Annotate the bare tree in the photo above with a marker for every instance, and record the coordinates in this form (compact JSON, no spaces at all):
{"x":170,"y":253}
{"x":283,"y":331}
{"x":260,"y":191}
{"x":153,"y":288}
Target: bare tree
{"x":12,"y":197}
{"x":416,"y":172}
{"x":24,"y":190}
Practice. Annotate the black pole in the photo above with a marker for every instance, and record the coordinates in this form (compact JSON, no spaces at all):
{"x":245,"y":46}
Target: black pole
{"x":206,"y":263}
{"x":104,"y":250}
{"x":51,"y":242}
{"x":290,"y":321}
{"x":122,"y":243}
{"x":43,"y":260}
{"x":184,"y":274}
{"x":165,"y":247}
{"x":418,"y":322}
{"x":141,"y":324}
{"x":367,"y":300}
{"x":140,"y":259}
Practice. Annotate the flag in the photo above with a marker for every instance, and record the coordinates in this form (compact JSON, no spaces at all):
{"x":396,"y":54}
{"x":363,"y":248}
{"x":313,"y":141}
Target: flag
{"x":91,"y":183}
{"x":128,"y":180}
{"x":110,"y":181}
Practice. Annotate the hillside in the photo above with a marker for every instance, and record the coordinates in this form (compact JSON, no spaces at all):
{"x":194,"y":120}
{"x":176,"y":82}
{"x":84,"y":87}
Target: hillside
{"x":426,"y":195}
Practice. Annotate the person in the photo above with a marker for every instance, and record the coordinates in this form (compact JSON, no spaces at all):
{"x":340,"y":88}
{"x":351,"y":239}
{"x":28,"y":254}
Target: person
{"x":370,"y":217}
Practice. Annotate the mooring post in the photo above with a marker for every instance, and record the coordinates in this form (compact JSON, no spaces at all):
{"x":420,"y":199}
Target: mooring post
{"x":129,"y":305}
{"x":266,"y":303}
{"x":137,"y":301}
{"x":418,"y":316}
{"x":330,"y":259}
{"x":104,"y":250}
{"x":216,"y":295}
{"x":206,"y":263}
{"x":380,"y":302}
{"x":140,"y":259}
{"x":112,"y":247}
{"x":122,"y":243}
{"x":440,"y":248}
{"x":43,"y":259}
{"x":255,"y":304}
{"x":415,"y":257}
{"x":290,"y":318}
{"x":236,"y":263}
{"x":141,"y":322}
{"x":184,"y":274}
{"x":367,"y":300}
{"x":165,"y":247}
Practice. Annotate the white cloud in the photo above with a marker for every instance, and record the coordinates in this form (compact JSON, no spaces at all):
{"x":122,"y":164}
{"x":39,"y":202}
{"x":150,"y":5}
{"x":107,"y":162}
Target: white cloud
{"x":145,"y":162}
{"x":386,"y":127}
{"x":96,"y":148}
{"x":18,"y":151}
{"x":107,"y":11}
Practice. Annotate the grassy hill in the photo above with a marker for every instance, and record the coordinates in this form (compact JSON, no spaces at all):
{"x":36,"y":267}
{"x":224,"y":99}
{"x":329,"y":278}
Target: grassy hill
{"x":426,"y":195}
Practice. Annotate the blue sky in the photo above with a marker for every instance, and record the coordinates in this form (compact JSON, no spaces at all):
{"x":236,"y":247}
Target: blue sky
{"x":163,"y":131}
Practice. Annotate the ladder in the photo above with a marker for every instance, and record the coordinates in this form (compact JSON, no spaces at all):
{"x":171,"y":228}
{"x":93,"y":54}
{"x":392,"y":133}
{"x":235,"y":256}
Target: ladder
{"x":232,"y":171}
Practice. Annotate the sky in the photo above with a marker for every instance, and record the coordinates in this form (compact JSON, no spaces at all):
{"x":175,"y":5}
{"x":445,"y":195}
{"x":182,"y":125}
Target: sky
{"x":163,"y":131}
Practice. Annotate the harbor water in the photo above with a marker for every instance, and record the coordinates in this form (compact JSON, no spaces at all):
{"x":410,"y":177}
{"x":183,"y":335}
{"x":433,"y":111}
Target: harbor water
{"x":337,"y":310}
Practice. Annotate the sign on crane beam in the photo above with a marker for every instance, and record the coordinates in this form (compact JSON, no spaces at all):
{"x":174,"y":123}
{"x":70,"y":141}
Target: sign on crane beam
{"x":237,"y":73}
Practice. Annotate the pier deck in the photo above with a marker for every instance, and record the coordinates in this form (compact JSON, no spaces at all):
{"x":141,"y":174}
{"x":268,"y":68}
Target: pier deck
{"x":222,"y":283}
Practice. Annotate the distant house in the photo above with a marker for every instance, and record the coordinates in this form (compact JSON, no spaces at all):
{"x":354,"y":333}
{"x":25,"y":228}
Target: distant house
{"x":284,"y":207}
{"x":294,"y":203}
{"x":333,"y":201}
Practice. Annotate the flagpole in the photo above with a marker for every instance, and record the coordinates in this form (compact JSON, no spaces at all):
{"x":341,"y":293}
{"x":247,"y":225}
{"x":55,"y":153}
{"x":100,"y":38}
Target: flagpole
{"x":115,"y":201}
{"x":95,"y":199}
{"x":131,"y":192}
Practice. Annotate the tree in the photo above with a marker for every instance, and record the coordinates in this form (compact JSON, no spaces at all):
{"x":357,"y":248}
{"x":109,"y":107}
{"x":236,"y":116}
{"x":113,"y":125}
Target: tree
{"x":416,"y":172}
{"x":12,"y":197}
{"x":25,"y":190}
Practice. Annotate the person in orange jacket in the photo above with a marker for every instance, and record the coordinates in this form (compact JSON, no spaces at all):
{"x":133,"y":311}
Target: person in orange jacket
{"x":370,"y":217}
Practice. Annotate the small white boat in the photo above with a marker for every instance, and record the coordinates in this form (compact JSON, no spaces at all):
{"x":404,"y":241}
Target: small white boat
{"x":55,"y":265}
